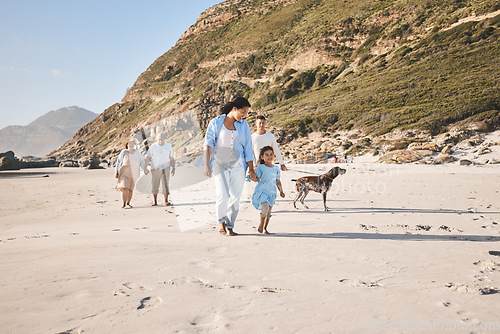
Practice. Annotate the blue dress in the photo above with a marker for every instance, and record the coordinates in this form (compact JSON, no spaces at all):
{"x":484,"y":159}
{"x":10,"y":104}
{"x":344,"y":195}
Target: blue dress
{"x":265,"y":191}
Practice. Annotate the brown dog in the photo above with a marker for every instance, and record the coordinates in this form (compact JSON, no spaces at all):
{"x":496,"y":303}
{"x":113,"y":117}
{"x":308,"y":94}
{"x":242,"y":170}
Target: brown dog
{"x":320,"y":184}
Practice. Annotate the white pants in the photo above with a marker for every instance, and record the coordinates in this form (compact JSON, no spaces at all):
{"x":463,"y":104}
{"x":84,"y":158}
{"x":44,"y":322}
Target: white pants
{"x":229,"y":182}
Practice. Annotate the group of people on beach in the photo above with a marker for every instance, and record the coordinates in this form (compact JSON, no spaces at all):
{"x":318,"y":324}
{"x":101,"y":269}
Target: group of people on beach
{"x":230,"y":151}
{"x":130,"y":161}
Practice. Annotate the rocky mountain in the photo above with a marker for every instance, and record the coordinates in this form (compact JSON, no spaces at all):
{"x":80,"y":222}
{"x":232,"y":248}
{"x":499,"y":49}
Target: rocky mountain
{"x":46,"y":133}
{"x":321,"y":66}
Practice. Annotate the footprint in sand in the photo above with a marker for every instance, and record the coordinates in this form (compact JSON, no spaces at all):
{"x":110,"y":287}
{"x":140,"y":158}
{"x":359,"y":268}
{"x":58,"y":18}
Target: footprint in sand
{"x":204,"y":263}
{"x":149,"y":303}
{"x":273,"y":290}
{"x":128,"y":288}
{"x":473,"y":289}
{"x":494,"y":253}
{"x":366,"y":227}
{"x":202,"y":283}
{"x":448,"y":229}
{"x":210,"y":322}
{"x":487,"y":265}
{"x":135,"y":286}
{"x":360,"y":284}
{"x":36,"y":236}
{"x":73,"y":331}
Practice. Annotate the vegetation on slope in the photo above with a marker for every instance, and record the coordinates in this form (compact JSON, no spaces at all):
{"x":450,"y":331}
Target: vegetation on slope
{"x":327,"y":65}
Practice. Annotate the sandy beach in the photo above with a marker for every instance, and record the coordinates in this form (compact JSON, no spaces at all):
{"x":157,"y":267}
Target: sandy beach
{"x":404,"y":248}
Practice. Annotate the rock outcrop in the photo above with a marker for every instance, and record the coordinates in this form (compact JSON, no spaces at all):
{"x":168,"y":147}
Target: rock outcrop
{"x":8,"y":161}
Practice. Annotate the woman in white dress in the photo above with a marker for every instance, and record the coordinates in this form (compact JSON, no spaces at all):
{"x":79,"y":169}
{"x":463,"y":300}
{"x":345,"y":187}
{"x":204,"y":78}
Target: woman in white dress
{"x":127,"y":170}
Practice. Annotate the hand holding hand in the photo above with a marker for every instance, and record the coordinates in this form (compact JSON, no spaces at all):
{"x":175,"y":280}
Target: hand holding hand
{"x":208,"y":172}
{"x":282,"y":194}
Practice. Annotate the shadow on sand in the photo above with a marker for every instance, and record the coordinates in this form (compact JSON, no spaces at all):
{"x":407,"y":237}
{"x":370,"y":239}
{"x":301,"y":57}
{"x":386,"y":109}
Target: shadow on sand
{"x":389,"y":236}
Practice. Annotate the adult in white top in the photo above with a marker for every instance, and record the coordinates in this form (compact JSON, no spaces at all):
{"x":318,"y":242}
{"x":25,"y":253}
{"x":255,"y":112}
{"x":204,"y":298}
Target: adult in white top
{"x":261,"y":138}
{"x":161,"y":156}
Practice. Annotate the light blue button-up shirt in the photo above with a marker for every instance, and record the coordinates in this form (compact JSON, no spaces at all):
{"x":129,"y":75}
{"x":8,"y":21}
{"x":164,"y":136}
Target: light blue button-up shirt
{"x":243,"y":142}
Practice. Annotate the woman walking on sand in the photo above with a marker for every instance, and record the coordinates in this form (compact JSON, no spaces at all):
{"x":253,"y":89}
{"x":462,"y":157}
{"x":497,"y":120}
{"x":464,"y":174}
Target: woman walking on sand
{"x":228,"y":146}
{"x":264,"y":196}
{"x":127,"y":171}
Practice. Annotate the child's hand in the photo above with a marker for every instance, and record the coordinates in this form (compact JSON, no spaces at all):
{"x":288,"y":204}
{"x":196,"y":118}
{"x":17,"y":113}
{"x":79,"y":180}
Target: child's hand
{"x":282,"y":194}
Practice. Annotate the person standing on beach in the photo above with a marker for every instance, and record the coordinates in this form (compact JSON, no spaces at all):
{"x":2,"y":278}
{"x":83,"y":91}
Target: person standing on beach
{"x":264,"y":195}
{"x":228,"y":153}
{"x":127,"y":171}
{"x":261,"y":138}
{"x":161,"y":156}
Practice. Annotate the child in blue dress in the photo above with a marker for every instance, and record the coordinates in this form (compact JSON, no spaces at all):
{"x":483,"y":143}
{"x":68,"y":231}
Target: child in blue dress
{"x":268,"y":178}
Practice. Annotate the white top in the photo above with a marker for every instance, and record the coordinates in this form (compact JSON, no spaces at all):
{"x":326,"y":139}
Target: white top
{"x":160,"y":155}
{"x":224,"y":149}
{"x":267,"y":139}
{"x":226,"y":137}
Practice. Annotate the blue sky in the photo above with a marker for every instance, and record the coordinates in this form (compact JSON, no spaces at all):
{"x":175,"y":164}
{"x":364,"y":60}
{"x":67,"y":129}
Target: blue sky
{"x":59,"y":53}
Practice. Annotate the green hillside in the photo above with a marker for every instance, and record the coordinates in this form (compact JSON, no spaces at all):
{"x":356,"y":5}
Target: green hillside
{"x":325,"y":65}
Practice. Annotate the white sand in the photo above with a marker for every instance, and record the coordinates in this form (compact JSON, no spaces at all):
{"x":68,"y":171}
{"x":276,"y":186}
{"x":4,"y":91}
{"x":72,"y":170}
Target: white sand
{"x":72,"y":261}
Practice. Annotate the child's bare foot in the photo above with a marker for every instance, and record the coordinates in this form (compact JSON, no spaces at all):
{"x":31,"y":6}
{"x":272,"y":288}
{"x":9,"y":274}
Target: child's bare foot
{"x":266,"y":232}
{"x":266,"y":222}
{"x":261,"y":226}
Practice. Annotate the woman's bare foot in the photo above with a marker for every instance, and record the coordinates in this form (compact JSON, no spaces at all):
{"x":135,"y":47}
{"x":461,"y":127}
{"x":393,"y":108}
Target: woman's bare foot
{"x":222,"y":228}
{"x":129,"y":206}
{"x":230,"y":232}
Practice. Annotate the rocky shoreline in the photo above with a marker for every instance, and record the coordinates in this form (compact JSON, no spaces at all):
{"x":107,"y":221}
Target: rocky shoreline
{"x":459,"y":146}
{"x":9,"y":161}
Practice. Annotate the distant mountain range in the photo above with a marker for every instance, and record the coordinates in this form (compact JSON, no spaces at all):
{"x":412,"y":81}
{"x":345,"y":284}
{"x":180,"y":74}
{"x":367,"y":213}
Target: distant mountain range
{"x":46,"y":133}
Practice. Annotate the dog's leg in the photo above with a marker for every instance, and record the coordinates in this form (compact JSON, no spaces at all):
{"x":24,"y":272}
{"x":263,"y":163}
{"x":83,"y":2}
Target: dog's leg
{"x":299,"y":193}
{"x":306,"y":191}
{"x":324,"y":201}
